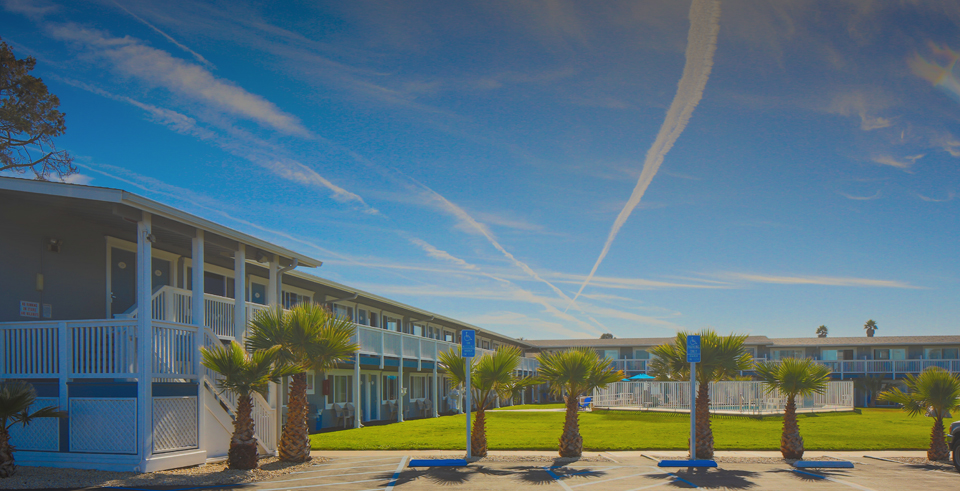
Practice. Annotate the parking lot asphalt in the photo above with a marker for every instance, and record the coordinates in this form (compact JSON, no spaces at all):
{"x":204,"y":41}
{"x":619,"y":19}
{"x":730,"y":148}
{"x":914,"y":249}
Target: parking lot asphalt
{"x":633,"y":472}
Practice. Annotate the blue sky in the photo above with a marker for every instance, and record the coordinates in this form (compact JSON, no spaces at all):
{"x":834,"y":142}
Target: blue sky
{"x":802,"y":158}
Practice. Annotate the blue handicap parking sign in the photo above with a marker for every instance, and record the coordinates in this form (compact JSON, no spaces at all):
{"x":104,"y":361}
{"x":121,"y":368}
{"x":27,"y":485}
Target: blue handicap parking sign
{"x":468,"y":343}
{"x":693,"y":349}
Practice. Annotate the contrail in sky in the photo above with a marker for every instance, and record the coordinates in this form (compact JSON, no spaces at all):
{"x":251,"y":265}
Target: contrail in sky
{"x":196,"y":55}
{"x":701,"y":43}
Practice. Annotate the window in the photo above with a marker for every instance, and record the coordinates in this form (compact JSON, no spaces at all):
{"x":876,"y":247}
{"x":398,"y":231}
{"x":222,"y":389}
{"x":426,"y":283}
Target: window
{"x":787,"y":353}
{"x":641,"y":354}
{"x":344,"y":312}
{"x":448,"y":336}
{"x":389,"y":387}
{"x":342,"y":389}
{"x":941,"y":353}
{"x":374,"y":320}
{"x":611,"y":354}
{"x":362,"y":317}
{"x":391,"y":324}
{"x":311,"y":380}
{"x":418,"y":387}
{"x":213,"y":283}
{"x":258,"y":293}
{"x":290,"y":299}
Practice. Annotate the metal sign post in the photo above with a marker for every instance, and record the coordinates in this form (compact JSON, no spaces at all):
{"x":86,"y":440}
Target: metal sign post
{"x":693,"y":357}
{"x":468,"y":349}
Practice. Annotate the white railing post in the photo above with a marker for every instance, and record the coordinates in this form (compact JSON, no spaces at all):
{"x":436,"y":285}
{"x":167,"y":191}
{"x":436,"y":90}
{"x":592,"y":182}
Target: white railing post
{"x":400,"y":384}
{"x":382,"y":347}
{"x":436,"y":384}
{"x":240,"y":293}
{"x":63,"y":359}
{"x":356,"y":387}
{"x":144,"y":337}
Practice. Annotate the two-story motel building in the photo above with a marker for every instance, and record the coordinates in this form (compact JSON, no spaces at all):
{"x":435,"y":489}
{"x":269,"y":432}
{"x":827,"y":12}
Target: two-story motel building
{"x":83,"y":262}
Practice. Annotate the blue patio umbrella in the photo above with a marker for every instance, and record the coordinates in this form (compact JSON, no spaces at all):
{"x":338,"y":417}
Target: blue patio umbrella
{"x":640,"y":376}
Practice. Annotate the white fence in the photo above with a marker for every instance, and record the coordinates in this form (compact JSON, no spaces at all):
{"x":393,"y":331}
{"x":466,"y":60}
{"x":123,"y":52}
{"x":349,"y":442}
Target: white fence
{"x":725,"y":397}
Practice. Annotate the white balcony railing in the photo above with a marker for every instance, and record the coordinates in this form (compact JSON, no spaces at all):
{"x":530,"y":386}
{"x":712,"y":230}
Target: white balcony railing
{"x":844,"y":367}
{"x":93,"y":349}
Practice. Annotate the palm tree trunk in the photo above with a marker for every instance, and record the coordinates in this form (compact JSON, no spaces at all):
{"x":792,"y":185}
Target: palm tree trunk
{"x":7,"y":466}
{"x":478,"y":436}
{"x":295,"y":439}
{"x":704,"y":433}
{"x":938,"y":444}
{"x":791,"y":444}
{"x":243,"y":445}
{"x":571,"y":442}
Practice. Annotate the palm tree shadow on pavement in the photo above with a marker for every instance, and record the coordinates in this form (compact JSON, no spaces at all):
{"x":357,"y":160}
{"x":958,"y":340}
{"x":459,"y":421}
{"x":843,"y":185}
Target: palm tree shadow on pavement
{"x":717,"y":478}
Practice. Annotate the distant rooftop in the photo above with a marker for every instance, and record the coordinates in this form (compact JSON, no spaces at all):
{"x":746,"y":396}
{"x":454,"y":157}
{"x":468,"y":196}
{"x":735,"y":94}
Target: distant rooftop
{"x":752,"y":341}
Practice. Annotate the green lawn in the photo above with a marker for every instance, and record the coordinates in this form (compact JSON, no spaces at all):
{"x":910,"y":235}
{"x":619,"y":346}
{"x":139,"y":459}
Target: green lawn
{"x":550,"y":405}
{"x":874,"y":429}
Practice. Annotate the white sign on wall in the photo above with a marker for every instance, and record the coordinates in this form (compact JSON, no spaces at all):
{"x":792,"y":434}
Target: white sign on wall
{"x":29,"y":309}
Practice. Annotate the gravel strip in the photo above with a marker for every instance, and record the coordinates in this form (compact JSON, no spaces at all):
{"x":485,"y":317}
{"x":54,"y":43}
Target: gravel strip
{"x":524,"y":458}
{"x":937,"y":464}
{"x":202,"y":475}
{"x":753,"y":460}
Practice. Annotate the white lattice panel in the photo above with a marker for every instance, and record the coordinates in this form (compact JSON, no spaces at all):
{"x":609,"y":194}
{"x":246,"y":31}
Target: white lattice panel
{"x":174,"y":423}
{"x":42,"y":434}
{"x":103,"y":425}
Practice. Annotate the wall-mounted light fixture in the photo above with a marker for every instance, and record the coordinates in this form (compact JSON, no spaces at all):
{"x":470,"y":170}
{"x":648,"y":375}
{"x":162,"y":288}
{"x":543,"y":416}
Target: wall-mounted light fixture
{"x":53,"y":245}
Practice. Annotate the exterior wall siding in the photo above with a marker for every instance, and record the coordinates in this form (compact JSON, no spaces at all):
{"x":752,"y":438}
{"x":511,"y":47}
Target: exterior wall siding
{"x":74,"y":278}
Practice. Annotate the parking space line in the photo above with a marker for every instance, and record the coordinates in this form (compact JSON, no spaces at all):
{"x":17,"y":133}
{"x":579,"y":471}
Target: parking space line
{"x":396,"y":475}
{"x":352,"y":462}
{"x":556,"y":479}
{"x":316,"y":485}
{"x":329,"y":475}
{"x":615,"y":479}
{"x":651,"y":486}
{"x":828,"y":478}
{"x":682,"y":479}
{"x":343,"y":468}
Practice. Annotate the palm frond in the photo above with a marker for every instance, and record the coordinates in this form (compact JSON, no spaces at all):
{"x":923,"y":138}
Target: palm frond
{"x":794,"y":376}
{"x":576,"y":371}
{"x":934,"y":388}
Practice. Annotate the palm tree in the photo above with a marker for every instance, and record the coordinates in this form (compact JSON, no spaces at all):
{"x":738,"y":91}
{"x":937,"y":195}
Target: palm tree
{"x":16,"y":397}
{"x":793,"y":377}
{"x":935,"y":392}
{"x":720,"y":357}
{"x":572,"y":373}
{"x":309,"y":337}
{"x":871,"y":327}
{"x":244,"y":374}
{"x":822,"y":331}
{"x":490,"y":375}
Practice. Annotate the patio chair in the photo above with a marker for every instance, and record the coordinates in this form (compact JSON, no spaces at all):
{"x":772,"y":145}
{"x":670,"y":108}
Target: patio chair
{"x":585,"y":403}
{"x":426,"y":406}
{"x":392,"y":409}
{"x":350,"y":412}
{"x":338,"y":413}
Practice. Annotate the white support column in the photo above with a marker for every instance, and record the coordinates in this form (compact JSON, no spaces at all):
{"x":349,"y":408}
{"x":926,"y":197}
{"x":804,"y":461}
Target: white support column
{"x":356,"y":391}
{"x":240,"y":293}
{"x":400,"y":385}
{"x":436,"y":384}
{"x":197,"y":294}
{"x":197,"y":314}
{"x":144,"y":339}
{"x":273,"y":279}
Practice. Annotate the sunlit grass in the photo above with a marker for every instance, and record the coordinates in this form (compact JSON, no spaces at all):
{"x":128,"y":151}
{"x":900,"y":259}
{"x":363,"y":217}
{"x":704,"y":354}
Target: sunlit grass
{"x":550,"y":405}
{"x":874,"y":429}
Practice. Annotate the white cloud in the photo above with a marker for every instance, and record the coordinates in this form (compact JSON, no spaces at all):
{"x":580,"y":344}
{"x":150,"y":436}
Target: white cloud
{"x":860,"y":198}
{"x":78,"y":178}
{"x":701,"y":44}
{"x":903,"y":163}
{"x":176,"y":43}
{"x":155,"y":67}
{"x":439,"y":254}
{"x":240,"y":144}
{"x":817,"y":280}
